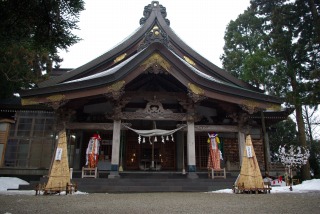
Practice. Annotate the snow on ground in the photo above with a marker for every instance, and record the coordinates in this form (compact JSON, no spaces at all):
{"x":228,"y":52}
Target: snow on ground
{"x":13,"y":183}
{"x":10,"y":183}
{"x":306,"y":186}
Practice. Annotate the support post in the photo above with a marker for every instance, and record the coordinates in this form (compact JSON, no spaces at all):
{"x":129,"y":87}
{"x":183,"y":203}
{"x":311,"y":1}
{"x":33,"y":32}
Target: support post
{"x":191,"y":151}
{"x":266,"y":145}
{"x":114,"y":173}
{"x":180,"y":147}
{"x":241,"y":143}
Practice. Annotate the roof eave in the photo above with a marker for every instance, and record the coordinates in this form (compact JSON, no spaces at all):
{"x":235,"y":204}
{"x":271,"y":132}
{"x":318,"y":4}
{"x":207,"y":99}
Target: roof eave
{"x":140,"y":57}
{"x":114,"y":52}
{"x":175,"y":39}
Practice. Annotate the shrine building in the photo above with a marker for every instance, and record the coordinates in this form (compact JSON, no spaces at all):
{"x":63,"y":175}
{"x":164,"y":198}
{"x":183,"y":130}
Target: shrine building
{"x":152,"y":82}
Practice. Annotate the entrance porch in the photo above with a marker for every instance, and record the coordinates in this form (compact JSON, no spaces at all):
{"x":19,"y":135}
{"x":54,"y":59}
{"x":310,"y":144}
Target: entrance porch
{"x":168,"y":156}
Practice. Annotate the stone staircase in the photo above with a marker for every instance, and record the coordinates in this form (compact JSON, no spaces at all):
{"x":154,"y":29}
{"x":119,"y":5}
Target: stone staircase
{"x":146,"y":182}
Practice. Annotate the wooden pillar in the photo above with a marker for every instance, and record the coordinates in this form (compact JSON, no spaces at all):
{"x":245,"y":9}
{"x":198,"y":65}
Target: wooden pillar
{"x":266,"y":145}
{"x":241,"y":143}
{"x":191,"y":147}
{"x":114,"y":173}
{"x":180,"y":148}
{"x":267,"y":148}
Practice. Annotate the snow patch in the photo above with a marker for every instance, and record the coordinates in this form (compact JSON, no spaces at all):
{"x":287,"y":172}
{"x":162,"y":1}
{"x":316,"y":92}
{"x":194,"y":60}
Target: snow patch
{"x":10,"y":183}
{"x":306,"y":186}
{"x":13,"y":183}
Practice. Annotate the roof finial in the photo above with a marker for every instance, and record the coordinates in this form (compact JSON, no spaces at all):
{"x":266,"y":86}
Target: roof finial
{"x":152,"y":7}
{"x":155,"y":3}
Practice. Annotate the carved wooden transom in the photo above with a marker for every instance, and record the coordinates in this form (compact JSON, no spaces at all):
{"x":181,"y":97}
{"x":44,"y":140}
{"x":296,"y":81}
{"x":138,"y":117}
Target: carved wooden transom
{"x":155,"y":107}
{"x":154,"y":110}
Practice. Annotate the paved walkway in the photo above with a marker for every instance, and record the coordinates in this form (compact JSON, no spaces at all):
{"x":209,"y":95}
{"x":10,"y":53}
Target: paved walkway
{"x":162,"y":203}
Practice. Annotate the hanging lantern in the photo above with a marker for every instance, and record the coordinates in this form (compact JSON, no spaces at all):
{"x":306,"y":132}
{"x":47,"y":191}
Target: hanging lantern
{"x":167,"y":139}
{"x":162,"y":139}
{"x":172,"y":138}
{"x":144,"y":140}
{"x":139,"y":139}
{"x":155,"y":139}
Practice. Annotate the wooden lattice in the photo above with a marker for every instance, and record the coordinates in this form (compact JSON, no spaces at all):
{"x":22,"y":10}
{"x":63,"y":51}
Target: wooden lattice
{"x":201,"y":151}
{"x":231,"y":149}
{"x":168,"y":157}
{"x":258,"y":149}
{"x":132,"y":152}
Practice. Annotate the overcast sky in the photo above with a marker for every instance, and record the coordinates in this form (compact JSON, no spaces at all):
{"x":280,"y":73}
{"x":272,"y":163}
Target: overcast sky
{"x":105,"y":23}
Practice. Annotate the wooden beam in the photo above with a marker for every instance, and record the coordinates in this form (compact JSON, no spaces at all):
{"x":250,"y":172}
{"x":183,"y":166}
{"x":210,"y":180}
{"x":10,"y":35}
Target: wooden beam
{"x":93,"y":126}
{"x":215,"y":128}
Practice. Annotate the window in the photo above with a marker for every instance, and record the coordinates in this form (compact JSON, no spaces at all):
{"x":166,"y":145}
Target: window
{"x":24,"y":127}
{"x":31,"y":140}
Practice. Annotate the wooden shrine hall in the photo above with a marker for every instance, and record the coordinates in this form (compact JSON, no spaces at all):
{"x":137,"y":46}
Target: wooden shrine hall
{"x":152,"y":82}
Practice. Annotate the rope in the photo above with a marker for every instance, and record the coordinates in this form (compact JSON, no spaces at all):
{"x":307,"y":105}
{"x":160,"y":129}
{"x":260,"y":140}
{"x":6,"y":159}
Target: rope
{"x":154,"y":132}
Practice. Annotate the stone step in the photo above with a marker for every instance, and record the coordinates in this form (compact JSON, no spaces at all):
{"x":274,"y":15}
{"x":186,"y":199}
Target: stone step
{"x":145,"y":182}
{"x":31,"y":186}
{"x":147,"y":174}
{"x":152,"y":185}
{"x":143,"y":189}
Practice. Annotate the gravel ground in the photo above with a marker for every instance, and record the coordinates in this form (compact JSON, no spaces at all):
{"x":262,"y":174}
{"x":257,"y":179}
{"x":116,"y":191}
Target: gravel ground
{"x":162,"y":203}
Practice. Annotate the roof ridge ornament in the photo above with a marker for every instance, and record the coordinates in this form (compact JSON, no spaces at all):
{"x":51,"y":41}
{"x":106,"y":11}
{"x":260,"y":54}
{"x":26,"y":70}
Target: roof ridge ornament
{"x":154,"y":6}
{"x":155,"y":35}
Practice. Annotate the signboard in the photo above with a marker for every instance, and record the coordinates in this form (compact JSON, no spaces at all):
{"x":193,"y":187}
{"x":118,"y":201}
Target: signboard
{"x":249,"y":151}
{"x":58,"y":154}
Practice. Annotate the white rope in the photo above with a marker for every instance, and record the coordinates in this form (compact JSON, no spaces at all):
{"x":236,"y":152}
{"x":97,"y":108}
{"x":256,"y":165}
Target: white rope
{"x":154,"y":132}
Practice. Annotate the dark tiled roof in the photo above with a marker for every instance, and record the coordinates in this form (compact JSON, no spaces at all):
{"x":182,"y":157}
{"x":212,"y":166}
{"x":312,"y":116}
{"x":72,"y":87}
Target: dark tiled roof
{"x":105,"y":70}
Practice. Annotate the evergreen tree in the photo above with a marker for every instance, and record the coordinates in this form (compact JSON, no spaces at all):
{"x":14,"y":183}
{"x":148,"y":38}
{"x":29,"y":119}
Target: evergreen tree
{"x":282,"y":133}
{"x":246,"y":44}
{"x":31,"y":33}
{"x":289,"y":39}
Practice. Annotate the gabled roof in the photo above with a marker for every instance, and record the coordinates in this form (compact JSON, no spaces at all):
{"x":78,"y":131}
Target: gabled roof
{"x":154,"y":42}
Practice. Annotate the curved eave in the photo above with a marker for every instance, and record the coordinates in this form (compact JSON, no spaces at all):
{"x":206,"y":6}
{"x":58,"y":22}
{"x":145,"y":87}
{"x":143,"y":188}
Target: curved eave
{"x":281,"y":114}
{"x":211,"y":68}
{"x":110,"y":55}
{"x":138,"y":35}
{"x":272,"y":117}
{"x":85,"y":83}
{"x":180,"y":70}
{"x":216,"y":85}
